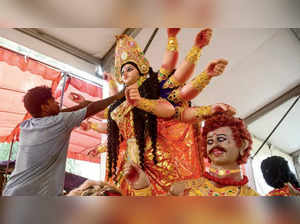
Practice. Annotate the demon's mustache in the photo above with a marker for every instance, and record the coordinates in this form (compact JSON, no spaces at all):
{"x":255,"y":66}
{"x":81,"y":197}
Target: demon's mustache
{"x":219,"y":148}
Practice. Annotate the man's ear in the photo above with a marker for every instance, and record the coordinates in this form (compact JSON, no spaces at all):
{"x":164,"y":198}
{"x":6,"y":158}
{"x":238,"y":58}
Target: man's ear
{"x":44,"y":108}
{"x":244,"y":147}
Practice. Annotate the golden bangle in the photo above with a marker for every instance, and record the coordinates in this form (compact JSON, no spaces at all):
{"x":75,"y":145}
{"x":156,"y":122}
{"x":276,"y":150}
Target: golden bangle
{"x":112,"y":84}
{"x":106,"y":112}
{"x":171,"y":83}
{"x":175,"y":96}
{"x":102,"y":148}
{"x":178,"y":113}
{"x":203,"y":112}
{"x":193,"y":55}
{"x":200,"y":81}
{"x":163,"y":74}
{"x":172,"y":44}
{"x":143,"y":192}
{"x":94,"y":126}
{"x":147,"y":105}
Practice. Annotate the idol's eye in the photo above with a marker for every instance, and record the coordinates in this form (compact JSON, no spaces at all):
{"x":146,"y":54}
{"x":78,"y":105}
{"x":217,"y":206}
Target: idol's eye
{"x":129,"y":69}
{"x":210,"y":141}
{"x":221,"y":139}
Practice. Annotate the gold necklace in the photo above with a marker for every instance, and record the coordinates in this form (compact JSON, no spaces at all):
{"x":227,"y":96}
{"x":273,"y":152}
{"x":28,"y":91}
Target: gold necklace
{"x":223,"y":172}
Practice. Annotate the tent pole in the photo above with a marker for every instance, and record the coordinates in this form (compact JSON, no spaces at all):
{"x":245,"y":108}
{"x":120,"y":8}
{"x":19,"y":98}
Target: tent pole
{"x":65,"y":76}
{"x":9,"y":157}
{"x":274,"y":129}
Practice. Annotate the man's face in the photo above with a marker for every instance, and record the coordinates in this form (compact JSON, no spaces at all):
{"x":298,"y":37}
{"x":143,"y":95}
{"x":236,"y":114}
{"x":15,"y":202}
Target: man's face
{"x":129,"y":74}
{"x":51,"y":108}
{"x":221,"y":147}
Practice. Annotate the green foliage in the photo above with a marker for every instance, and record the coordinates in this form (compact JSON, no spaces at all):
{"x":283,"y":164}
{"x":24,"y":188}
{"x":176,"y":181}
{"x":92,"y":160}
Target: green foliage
{"x":4,"y":151}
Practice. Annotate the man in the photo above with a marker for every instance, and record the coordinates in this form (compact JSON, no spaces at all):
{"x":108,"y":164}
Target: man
{"x":226,"y":144}
{"x":44,"y":141}
{"x":278,"y":175}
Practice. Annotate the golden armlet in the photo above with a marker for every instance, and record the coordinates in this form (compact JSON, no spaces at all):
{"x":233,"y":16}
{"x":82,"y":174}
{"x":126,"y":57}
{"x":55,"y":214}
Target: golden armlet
{"x":172,"y":44}
{"x":163,"y":74}
{"x":171,"y":83}
{"x":202,"y":112}
{"x":174,"y":96}
{"x":193,"y":55}
{"x":143,"y":192}
{"x":178,"y":113}
{"x":200,"y":81}
{"x":147,"y":105}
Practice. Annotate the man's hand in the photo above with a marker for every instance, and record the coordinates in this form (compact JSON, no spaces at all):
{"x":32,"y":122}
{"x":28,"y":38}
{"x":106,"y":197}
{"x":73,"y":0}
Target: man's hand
{"x":95,"y":107}
{"x":216,"y":68}
{"x":203,"y":38}
{"x":135,"y":176}
{"x":107,"y":76}
{"x":172,"y":32}
{"x":77,"y":98}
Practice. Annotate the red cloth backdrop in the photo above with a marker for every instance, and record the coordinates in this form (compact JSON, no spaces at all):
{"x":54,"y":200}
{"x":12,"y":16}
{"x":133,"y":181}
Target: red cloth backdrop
{"x":17,"y":75}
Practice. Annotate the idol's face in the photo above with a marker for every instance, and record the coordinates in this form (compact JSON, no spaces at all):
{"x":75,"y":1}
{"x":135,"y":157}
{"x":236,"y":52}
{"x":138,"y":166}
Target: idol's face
{"x":221,"y":147}
{"x":130,"y":74}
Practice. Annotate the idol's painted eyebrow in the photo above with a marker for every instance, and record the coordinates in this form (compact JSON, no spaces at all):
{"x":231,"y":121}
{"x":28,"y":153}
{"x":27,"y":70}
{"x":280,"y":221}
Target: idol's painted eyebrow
{"x":219,"y":135}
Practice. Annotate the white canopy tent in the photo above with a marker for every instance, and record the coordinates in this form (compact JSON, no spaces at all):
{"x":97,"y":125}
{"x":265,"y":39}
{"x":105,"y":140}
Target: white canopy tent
{"x":263,"y":65}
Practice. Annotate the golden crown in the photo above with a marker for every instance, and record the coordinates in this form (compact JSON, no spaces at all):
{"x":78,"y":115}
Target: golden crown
{"x":127,"y":50}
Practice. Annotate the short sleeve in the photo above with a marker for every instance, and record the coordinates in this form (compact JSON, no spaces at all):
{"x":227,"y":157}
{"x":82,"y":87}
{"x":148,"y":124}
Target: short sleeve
{"x":74,"y":118}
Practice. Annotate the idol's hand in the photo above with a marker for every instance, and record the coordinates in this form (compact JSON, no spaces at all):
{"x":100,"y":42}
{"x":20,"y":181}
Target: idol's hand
{"x":216,"y":68}
{"x":132,"y":94}
{"x":223,"y":108}
{"x":135,"y":176}
{"x":172,"y":32}
{"x":203,"y":38}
